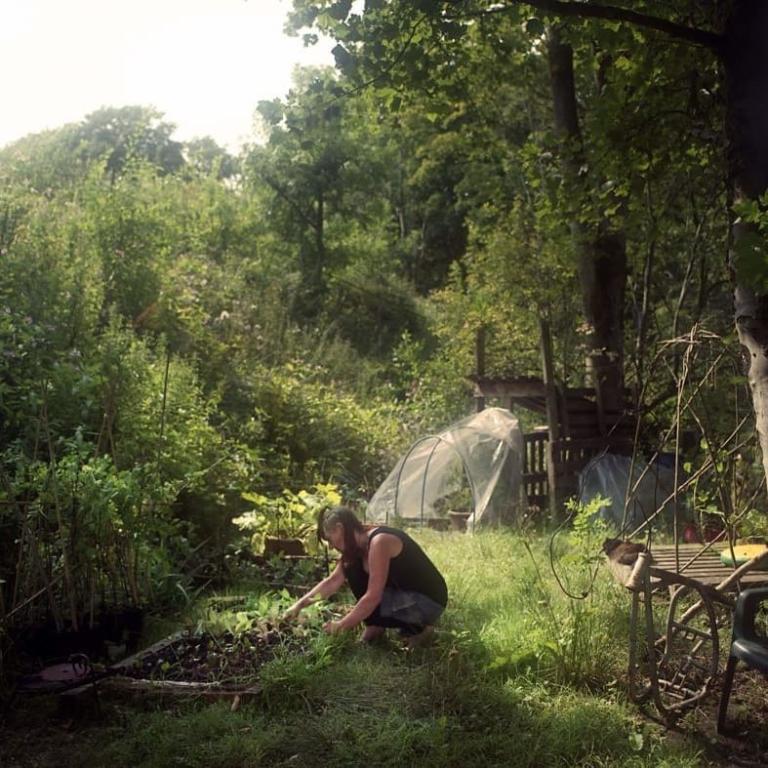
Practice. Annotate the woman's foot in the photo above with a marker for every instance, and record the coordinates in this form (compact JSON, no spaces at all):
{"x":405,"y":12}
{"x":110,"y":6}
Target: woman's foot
{"x":372,"y":633}
{"x":425,"y":637}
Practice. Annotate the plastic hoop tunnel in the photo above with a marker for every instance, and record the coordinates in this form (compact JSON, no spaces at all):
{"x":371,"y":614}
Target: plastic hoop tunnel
{"x":474,"y":467}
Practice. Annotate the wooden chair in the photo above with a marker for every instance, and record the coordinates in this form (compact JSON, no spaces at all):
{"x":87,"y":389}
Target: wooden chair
{"x":746,"y":645}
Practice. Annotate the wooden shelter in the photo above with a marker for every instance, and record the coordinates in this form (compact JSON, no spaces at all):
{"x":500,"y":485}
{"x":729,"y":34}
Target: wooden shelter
{"x":578,"y":425}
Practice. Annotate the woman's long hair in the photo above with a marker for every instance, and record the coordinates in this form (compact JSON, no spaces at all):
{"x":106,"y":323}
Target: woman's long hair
{"x":350,"y":523}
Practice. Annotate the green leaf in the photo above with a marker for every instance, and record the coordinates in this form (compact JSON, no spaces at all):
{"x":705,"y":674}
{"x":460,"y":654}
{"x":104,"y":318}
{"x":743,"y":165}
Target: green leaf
{"x":345,"y":61}
{"x":534,"y":27}
{"x":750,"y":259}
{"x":340,"y":10}
{"x":747,"y":210}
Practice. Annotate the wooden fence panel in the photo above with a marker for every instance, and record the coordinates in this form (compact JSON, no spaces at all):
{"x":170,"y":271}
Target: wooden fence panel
{"x":535,"y":469}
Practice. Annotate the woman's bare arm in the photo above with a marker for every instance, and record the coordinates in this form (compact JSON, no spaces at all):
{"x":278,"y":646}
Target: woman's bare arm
{"x":322,"y":590}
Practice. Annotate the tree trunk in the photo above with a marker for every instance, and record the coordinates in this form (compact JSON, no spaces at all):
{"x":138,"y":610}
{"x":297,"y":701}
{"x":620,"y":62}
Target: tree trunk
{"x":746,"y":73}
{"x":603,"y":280}
{"x":601,"y":252}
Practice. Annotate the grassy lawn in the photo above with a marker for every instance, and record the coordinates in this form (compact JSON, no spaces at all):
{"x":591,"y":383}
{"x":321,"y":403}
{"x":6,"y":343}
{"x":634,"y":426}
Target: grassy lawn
{"x":520,"y":675}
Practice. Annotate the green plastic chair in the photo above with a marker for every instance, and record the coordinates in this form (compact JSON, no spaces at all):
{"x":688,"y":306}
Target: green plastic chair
{"x":746,"y":645}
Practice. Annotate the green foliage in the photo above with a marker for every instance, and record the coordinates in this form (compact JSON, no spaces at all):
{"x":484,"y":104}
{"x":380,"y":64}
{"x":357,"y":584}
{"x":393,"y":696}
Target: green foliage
{"x":373,"y":311}
{"x":207,"y":158}
{"x":304,"y":164}
{"x":725,"y":498}
{"x":259,"y":610}
{"x":288,"y":680}
{"x":530,"y":625}
{"x":210,"y":326}
{"x":292,"y":515}
{"x":105,"y":532}
{"x":588,"y":529}
{"x":750,"y":255}
{"x":134,"y":298}
{"x":309,"y":431}
{"x":186,"y":334}
{"x":120,"y":135}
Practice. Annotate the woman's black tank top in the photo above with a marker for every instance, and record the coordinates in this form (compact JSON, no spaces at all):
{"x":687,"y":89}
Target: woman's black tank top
{"x":410,"y":570}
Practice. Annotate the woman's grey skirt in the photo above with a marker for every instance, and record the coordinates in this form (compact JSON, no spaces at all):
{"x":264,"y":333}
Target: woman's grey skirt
{"x":408,"y":608}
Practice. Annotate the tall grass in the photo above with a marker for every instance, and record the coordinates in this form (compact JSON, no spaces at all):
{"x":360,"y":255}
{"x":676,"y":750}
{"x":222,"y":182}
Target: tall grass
{"x":504,"y":589}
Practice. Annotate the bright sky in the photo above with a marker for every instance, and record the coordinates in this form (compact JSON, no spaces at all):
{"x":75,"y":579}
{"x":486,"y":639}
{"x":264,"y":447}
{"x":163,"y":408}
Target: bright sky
{"x":204,"y":63}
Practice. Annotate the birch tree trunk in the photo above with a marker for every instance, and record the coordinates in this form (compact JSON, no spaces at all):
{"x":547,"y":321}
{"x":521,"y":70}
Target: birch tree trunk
{"x":746,"y":73}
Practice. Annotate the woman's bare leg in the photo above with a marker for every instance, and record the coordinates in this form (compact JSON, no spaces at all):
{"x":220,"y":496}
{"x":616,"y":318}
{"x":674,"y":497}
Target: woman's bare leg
{"x":372,"y":633}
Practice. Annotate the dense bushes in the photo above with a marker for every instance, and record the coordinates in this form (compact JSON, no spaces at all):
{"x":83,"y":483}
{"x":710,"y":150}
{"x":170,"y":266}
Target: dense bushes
{"x":152,"y":374}
{"x":313,"y":431}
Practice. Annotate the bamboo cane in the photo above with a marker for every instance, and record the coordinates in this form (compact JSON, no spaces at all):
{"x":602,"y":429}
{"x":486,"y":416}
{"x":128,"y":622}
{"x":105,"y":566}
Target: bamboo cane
{"x":91,"y":598}
{"x":26,"y":602}
{"x":65,"y":561}
{"x":21,"y":517}
{"x":19,"y":561}
{"x":49,"y":582}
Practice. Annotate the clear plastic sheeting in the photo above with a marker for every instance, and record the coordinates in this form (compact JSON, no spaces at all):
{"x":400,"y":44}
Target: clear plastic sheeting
{"x":474,"y":467}
{"x":607,"y":475}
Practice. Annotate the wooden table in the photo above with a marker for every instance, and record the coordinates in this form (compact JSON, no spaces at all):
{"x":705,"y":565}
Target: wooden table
{"x":703,"y":565}
{"x":673,"y":660}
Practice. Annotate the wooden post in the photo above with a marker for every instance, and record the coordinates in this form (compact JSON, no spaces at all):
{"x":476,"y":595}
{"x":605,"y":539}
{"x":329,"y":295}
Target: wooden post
{"x":480,"y":364}
{"x":562,"y":401}
{"x":598,"y":375}
{"x":553,"y":419}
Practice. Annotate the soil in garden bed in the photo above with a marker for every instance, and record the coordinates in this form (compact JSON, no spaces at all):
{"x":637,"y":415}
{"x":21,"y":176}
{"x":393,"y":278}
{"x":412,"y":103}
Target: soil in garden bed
{"x":226,"y":658}
{"x":206,"y":658}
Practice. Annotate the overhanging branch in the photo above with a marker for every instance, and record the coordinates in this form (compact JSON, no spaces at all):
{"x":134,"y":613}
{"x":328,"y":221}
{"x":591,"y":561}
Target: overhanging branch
{"x":589,"y":10}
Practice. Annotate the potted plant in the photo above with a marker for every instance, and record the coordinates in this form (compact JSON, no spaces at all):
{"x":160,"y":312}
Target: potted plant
{"x":283,"y":524}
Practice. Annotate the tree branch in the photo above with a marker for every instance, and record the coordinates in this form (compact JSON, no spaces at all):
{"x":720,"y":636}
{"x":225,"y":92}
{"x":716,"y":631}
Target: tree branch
{"x":278,"y":188}
{"x":589,"y":10}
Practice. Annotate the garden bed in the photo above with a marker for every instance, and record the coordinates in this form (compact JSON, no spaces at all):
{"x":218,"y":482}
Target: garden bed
{"x":224,"y":655}
{"x":226,"y":661}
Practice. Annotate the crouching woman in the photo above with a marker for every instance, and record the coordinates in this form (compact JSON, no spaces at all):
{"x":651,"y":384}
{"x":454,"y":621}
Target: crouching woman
{"x":394,"y":582}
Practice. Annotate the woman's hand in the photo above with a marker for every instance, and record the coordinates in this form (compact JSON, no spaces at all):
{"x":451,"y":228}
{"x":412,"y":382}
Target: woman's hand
{"x":292,"y":612}
{"x":321,"y":591}
{"x":332,"y":627}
